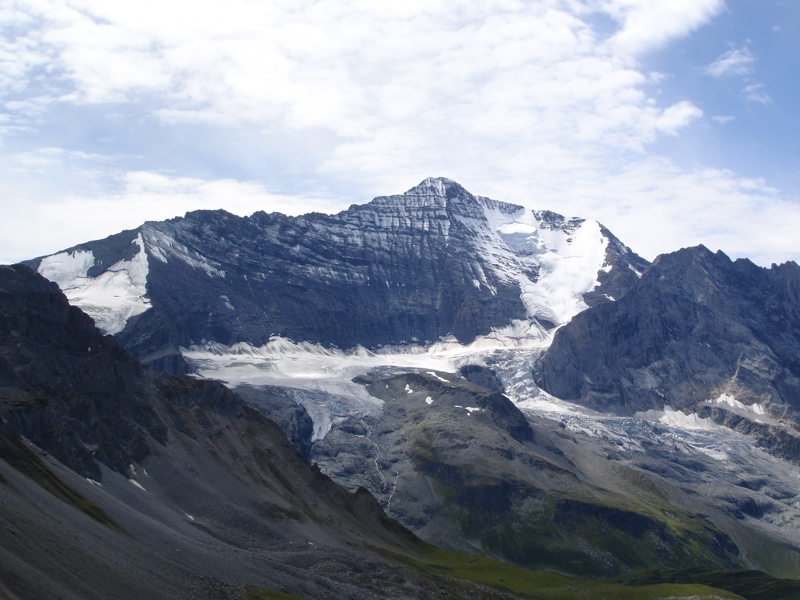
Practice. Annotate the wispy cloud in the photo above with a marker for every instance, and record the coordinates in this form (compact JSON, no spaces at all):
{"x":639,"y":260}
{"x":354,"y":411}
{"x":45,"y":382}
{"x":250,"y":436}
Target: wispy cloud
{"x":648,"y":25}
{"x":756,"y":93}
{"x":735,"y":62}
{"x":656,"y":203}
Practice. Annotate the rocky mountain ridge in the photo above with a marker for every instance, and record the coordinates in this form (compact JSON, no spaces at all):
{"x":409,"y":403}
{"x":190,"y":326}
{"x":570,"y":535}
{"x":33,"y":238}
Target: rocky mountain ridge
{"x":699,"y":332}
{"x":435,"y":262}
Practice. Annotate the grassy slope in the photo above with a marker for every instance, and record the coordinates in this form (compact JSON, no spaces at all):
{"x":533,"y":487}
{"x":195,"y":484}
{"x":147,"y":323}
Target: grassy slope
{"x":547,"y":585}
{"x":753,"y":585}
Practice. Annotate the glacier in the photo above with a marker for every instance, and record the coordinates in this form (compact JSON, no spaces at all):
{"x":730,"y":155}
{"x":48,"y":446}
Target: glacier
{"x":110,"y":298}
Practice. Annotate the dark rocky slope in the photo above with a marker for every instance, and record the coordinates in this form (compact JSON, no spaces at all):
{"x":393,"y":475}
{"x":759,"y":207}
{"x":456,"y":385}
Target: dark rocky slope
{"x":696,"y":326}
{"x":119,"y":481}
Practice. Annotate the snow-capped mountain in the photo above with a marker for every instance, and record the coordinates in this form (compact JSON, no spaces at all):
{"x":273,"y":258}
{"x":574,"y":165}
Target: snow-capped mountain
{"x":120,"y":481}
{"x":432,"y":264}
{"x":504,"y":381}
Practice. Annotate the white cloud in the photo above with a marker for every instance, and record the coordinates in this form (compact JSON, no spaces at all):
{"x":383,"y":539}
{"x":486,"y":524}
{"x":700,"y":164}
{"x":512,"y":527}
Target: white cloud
{"x":677,"y":116}
{"x":647,"y":25}
{"x":359,"y":67}
{"x":736,"y":61}
{"x":522,"y":101}
{"x":756,"y":93}
{"x":654,"y":206}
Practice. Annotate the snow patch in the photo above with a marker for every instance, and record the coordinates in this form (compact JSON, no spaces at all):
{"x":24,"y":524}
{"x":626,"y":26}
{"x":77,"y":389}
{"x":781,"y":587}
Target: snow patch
{"x":409,"y":390}
{"x":67,"y":268}
{"x":137,"y":484}
{"x":111,"y":298}
{"x":428,"y":400}
{"x":227,"y":302}
{"x":755,"y":412}
{"x":732,"y":402}
{"x":442,"y":379}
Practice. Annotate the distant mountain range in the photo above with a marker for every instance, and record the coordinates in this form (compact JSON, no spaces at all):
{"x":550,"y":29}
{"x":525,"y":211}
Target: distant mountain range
{"x":508,"y":383}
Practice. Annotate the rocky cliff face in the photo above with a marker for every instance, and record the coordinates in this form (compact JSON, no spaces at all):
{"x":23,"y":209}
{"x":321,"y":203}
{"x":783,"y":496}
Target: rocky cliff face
{"x":413,"y":268}
{"x":698,"y":332}
{"x":65,"y":387}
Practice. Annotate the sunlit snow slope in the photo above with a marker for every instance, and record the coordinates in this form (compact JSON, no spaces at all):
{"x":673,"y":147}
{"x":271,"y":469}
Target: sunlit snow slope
{"x":111,"y":297}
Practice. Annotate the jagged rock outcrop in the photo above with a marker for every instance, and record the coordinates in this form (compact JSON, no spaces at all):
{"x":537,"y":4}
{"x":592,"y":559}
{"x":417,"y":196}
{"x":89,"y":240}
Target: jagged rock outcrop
{"x":412,"y":268}
{"x":698,"y":330}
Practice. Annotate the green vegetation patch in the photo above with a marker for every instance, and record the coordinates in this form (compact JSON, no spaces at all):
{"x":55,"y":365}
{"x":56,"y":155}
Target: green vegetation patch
{"x":590,"y":536}
{"x":752,"y":585}
{"x":261,"y":593}
{"x":548,"y":585}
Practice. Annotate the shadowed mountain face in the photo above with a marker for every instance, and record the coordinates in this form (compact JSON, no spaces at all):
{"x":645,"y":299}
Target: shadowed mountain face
{"x":435,"y":261}
{"x":119,"y":481}
{"x":696,"y":326}
{"x":699,"y":333}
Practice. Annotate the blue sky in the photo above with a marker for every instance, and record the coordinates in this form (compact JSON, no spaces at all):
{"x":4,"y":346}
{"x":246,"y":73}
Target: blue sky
{"x":673,"y":122}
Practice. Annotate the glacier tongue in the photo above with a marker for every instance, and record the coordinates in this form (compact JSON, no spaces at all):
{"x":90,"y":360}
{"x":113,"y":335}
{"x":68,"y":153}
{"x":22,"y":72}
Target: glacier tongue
{"x":112,"y":297}
{"x":321,"y":378}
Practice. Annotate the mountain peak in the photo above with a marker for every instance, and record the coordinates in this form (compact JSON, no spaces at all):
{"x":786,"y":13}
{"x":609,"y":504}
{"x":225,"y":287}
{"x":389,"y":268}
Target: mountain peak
{"x":438,"y":186}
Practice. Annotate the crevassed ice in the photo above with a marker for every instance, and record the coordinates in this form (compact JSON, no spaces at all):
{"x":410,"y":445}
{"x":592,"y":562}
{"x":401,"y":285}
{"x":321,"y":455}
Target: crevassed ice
{"x":677,"y":418}
{"x":328,"y":373}
{"x":112,"y":297}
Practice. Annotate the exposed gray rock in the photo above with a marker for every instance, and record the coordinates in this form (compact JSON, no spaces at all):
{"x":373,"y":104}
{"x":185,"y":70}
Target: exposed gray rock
{"x":462,"y":467}
{"x":401,"y":269}
{"x":697,"y":325}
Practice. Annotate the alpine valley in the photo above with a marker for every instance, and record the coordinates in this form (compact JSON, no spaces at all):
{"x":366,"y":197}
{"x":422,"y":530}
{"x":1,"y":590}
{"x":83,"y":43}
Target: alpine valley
{"x":432,"y":395}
